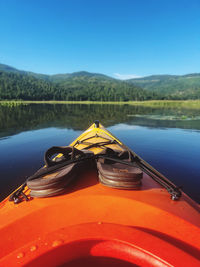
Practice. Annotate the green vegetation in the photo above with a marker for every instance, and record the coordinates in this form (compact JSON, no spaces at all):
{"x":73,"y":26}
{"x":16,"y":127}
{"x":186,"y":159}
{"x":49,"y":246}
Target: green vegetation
{"x":85,"y":86}
{"x":16,"y":118}
{"x":186,"y":104}
{"x":171,"y":86}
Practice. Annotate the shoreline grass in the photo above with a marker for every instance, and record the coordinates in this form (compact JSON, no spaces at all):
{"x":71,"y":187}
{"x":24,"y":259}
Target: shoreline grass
{"x":193,"y":104}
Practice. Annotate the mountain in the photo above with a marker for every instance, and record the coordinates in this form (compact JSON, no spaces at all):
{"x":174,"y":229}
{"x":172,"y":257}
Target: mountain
{"x":78,"y":75}
{"x":15,"y":84}
{"x":19,"y":84}
{"x":7,"y":68}
{"x":55,"y":77}
{"x":177,"y":86}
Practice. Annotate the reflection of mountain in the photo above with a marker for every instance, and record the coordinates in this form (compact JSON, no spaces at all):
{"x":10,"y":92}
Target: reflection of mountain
{"x":162,"y":123}
{"x":15,"y":119}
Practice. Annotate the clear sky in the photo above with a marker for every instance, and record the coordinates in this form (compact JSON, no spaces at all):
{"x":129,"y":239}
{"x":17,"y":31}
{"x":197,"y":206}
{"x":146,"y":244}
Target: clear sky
{"x":120,"y":38}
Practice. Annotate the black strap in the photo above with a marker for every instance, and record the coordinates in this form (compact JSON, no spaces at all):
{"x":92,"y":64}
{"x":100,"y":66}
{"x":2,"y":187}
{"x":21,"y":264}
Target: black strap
{"x":67,"y":152}
{"x":174,"y":191}
{"x":18,"y":195}
{"x":59,"y":165}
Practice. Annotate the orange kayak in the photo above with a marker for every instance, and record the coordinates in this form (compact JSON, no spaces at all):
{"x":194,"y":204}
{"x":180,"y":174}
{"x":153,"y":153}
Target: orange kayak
{"x":102,"y":221}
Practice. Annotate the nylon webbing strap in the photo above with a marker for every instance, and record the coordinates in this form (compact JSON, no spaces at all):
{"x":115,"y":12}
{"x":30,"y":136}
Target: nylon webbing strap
{"x":174,"y":191}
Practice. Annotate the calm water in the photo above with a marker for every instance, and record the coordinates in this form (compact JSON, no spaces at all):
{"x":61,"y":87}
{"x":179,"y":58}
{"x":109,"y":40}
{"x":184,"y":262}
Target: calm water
{"x":169,"y":139}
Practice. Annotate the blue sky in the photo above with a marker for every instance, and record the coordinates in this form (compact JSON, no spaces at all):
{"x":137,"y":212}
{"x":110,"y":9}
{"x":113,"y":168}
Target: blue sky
{"x":119,"y":38}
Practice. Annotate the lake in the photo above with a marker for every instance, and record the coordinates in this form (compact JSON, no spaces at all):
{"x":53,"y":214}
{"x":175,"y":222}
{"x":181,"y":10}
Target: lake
{"x":167,"y":138}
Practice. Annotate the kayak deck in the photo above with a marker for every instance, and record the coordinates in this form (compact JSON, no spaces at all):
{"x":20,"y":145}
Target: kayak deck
{"x":90,"y":211}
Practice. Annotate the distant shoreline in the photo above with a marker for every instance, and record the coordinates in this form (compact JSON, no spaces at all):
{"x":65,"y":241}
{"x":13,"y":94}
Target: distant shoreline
{"x":149,"y":103}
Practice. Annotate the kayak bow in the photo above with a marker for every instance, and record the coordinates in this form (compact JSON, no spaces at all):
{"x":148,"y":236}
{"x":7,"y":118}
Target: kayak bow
{"x":115,"y":211}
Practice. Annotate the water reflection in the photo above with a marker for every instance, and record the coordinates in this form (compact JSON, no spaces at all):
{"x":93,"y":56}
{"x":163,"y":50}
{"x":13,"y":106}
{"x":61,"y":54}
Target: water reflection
{"x":27,"y":131}
{"x":16,"y":119}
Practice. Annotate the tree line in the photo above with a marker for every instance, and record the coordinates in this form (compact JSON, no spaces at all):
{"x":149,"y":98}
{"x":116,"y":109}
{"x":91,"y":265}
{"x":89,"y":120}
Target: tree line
{"x":79,"y":88}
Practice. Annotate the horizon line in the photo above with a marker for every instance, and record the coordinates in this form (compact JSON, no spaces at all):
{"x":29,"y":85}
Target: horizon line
{"x":115,"y":75}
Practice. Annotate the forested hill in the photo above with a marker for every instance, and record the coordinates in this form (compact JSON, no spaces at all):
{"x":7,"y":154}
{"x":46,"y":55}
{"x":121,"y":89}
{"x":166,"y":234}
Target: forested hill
{"x":16,"y":84}
{"x":171,"y":86}
{"x":19,"y":84}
